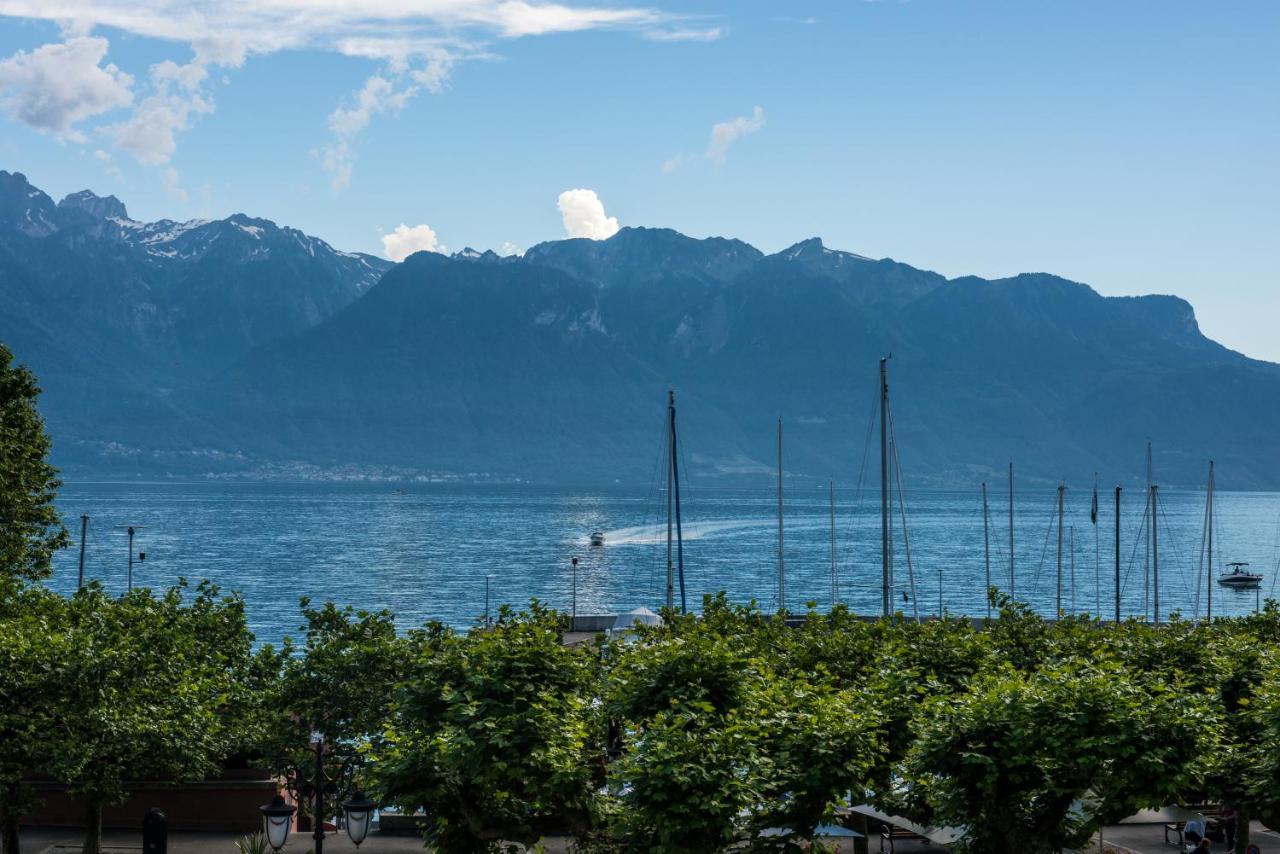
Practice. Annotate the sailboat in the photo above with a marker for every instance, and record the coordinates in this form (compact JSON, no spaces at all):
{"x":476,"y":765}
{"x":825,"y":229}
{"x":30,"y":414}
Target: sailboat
{"x":1239,"y":577}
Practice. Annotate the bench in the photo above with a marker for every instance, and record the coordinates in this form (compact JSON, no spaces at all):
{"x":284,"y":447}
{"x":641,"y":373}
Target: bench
{"x":889,"y":833}
{"x":1211,"y":814}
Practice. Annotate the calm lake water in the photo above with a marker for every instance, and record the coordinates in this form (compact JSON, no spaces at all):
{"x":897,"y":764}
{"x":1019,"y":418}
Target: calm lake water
{"x":425,"y":555}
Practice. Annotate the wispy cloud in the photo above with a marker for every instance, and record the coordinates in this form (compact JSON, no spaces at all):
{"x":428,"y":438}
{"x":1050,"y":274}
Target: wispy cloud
{"x":57,"y":87}
{"x":389,"y":91}
{"x":685,"y":34}
{"x":723,"y":135}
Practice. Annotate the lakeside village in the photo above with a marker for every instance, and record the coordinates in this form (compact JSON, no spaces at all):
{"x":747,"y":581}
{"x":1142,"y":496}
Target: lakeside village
{"x":153,"y":721}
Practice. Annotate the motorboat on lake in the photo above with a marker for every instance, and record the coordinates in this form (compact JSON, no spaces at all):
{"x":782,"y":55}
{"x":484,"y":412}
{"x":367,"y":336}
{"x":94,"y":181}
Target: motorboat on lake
{"x":597,"y":538}
{"x":1239,"y":577}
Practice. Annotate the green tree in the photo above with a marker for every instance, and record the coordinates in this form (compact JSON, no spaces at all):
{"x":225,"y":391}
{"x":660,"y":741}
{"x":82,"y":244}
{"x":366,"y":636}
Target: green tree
{"x":689,"y":781}
{"x":1244,"y":769}
{"x":1031,"y":763}
{"x":32,"y":639}
{"x":494,"y":734}
{"x":30,"y":528}
{"x":339,"y":684}
{"x":817,"y":744}
{"x":147,"y":688}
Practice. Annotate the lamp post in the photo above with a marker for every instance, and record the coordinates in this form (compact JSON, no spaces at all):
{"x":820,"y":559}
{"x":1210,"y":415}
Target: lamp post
{"x":335,"y":781}
{"x":131,"y":530}
{"x":574,"y":618}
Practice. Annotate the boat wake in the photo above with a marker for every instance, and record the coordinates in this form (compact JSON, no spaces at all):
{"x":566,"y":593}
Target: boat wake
{"x":647,"y":535}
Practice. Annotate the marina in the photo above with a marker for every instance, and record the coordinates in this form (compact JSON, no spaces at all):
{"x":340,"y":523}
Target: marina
{"x":425,"y":555}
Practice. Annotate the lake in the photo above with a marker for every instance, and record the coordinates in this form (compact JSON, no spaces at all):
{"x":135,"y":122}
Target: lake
{"x":425,"y":555}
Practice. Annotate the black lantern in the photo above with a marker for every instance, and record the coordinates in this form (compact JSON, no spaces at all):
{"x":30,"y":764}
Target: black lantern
{"x":277,"y":820}
{"x":359,"y":813}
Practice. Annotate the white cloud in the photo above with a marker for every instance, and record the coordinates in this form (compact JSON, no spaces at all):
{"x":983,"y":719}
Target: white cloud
{"x":378,"y":95}
{"x":228,"y":28}
{"x":337,"y":159}
{"x":56,"y":86}
{"x":671,"y":164}
{"x":685,"y":34}
{"x":724,"y":133}
{"x":418,"y":42}
{"x":584,"y":216}
{"x":172,"y":185}
{"x":406,"y":240}
{"x":381,"y":93}
{"x":177,"y":99}
{"x":509,"y":248}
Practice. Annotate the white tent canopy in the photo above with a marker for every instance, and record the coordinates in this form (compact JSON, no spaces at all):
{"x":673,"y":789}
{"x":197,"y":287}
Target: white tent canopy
{"x":637,"y":617}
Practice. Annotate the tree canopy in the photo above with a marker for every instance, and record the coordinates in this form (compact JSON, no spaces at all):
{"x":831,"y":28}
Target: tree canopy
{"x":30,"y":528}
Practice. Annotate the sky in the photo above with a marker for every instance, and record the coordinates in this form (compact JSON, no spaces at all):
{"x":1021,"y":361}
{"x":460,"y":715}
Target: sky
{"x":1133,"y":145}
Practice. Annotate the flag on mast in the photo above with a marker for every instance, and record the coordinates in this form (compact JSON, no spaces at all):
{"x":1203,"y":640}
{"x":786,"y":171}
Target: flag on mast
{"x":1093,"y":510}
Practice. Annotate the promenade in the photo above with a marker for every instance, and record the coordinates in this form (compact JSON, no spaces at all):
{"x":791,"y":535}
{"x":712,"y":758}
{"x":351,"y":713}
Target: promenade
{"x":1137,"y":838}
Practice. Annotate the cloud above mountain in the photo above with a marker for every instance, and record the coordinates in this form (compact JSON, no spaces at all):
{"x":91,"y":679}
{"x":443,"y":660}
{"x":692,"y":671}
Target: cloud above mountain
{"x":406,"y":240}
{"x":57,"y":87}
{"x":584,"y":216}
{"x":723,"y":134}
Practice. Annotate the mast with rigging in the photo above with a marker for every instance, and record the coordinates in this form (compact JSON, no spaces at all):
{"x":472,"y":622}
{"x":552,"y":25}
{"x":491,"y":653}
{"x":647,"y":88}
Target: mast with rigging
{"x":675,"y":535}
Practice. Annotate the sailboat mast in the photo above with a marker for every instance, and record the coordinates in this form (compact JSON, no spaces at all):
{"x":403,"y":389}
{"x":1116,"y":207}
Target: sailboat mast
{"x":1146,"y":544}
{"x":835,"y":577}
{"x":84,"y":533}
{"x":986,"y":544}
{"x":1097,"y":552}
{"x":1209,"y":517}
{"x":1071,"y":577}
{"x":782,"y":584}
{"x":1155,"y":554}
{"x":670,"y":502}
{"x":1062,"y":489}
{"x":884,"y":487}
{"x":675,"y":482}
{"x":1118,"y":490}
{"x":1013,"y":585}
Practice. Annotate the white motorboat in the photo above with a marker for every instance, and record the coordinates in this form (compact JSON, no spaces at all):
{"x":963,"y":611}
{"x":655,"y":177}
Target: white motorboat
{"x":1239,"y":577}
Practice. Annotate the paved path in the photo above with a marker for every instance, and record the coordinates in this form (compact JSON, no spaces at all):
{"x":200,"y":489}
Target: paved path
{"x":1149,"y":839}
{"x":1140,"y":838}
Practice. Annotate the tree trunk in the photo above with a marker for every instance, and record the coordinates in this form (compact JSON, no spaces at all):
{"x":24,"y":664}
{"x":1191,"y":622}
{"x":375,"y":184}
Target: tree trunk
{"x":92,"y":827}
{"x":1242,"y":831}
{"x":10,"y":830}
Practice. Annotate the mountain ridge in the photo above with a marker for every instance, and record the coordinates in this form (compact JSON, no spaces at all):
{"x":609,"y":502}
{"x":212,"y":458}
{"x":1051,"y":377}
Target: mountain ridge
{"x":239,"y":348}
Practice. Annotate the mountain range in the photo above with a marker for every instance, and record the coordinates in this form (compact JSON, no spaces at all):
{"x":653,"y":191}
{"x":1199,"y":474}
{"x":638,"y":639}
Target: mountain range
{"x":239,"y":348}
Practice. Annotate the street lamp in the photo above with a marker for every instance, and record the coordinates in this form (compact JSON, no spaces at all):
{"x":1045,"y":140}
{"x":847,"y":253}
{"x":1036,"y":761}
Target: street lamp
{"x":277,"y":820}
{"x":335,"y":781}
{"x":359,"y":814}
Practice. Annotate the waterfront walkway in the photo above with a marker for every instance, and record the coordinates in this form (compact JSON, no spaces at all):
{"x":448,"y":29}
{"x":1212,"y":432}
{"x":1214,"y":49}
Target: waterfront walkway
{"x":1137,"y":838}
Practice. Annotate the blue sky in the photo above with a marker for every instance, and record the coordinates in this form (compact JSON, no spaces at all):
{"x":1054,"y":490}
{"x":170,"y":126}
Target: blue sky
{"x":1132,"y":145}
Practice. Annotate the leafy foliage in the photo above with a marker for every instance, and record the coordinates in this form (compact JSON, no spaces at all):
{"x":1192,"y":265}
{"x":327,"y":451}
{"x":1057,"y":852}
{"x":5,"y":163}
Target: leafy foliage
{"x":148,"y":687}
{"x":30,"y":528}
{"x":495,"y":734}
{"x":1034,"y":762}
